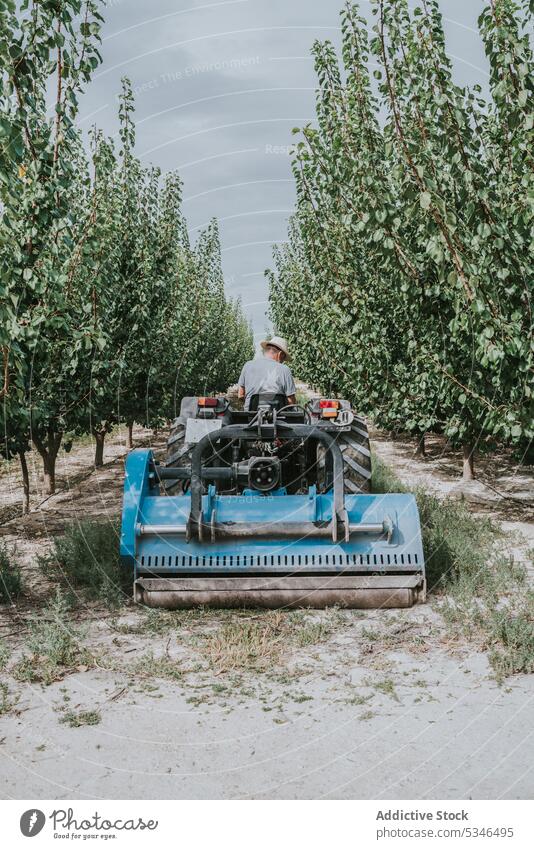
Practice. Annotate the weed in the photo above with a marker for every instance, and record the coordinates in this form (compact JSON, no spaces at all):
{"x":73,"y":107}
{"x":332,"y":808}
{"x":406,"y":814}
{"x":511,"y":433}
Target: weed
{"x":512,"y":635}
{"x":383,"y":478}
{"x":387,"y":687}
{"x":156,"y":667}
{"x":87,"y":557}
{"x":151,"y":623}
{"x":313,"y":633}
{"x":5,"y":654}
{"x":196,"y":701}
{"x":83,"y":717}
{"x":456,"y":543}
{"x":10,"y":576}
{"x":54,"y":646}
{"x":357,"y":699}
{"x":6,"y":703}
{"x":369,"y":634}
{"x":369,"y":714}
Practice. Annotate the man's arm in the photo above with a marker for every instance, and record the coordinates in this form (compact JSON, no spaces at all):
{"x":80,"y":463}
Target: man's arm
{"x":241,"y":391}
{"x":290,"y":388}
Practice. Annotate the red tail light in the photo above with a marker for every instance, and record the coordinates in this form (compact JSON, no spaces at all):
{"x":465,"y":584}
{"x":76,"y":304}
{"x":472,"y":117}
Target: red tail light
{"x":327,"y":404}
{"x":207,"y":402}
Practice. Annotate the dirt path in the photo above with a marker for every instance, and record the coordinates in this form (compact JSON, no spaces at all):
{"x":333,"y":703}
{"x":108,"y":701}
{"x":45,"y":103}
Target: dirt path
{"x":378,"y":704}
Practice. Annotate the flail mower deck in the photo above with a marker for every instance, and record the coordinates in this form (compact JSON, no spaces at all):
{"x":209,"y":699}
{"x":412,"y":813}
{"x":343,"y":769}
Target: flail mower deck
{"x":268,"y":509}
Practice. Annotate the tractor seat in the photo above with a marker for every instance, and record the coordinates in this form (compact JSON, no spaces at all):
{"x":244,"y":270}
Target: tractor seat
{"x":274,"y":400}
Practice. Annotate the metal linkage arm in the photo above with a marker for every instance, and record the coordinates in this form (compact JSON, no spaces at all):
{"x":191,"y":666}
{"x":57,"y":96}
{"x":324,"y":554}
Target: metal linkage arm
{"x":286,"y":433}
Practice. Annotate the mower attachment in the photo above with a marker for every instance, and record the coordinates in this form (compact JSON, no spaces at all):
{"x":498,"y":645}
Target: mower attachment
{"x":266,"y":549}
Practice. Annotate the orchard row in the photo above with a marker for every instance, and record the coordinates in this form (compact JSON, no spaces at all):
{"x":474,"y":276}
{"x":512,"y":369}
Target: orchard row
{"x":108,"y":313}
{"x":406,"y":282}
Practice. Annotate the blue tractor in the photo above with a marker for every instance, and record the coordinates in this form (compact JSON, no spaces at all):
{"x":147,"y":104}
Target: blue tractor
{"x":268,"y":507}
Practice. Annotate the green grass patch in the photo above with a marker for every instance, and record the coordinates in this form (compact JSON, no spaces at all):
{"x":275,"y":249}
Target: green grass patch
{"x":313,"y":633}
{"x":384,"y":478}
{"x":86,"y":558}
{"x":75,"y":719}
{"x":10,"y":576}
{"x":387,"y":687}
{"x":4,"y":655}
{"x":7,"y":703}
{"x":53,"y":646}
{"x":511,"y":637}
{"x":486,"y":595}
{"x":457,"y":545}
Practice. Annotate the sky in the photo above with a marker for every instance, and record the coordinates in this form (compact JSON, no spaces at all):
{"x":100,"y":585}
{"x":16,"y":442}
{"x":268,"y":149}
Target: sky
{"x":218,"y":88}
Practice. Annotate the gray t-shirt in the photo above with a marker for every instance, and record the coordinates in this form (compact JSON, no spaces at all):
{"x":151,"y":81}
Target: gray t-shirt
{"x":266,"y":375}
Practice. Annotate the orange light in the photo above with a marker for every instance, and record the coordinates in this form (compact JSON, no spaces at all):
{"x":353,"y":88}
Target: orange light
{"x":329,"y":413}
{"x":207,"y":402}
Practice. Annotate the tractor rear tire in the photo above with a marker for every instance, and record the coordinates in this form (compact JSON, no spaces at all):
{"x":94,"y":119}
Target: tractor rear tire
{"x":356,"y":452}
{"x":178,"y":454}
{"x":354,"y":445}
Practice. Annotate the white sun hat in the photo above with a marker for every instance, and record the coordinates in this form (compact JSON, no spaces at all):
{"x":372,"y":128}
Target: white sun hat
{"x":277,"y":342}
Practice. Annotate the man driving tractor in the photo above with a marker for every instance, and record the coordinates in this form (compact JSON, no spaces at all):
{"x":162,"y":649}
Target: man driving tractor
{"x":268,"y":374}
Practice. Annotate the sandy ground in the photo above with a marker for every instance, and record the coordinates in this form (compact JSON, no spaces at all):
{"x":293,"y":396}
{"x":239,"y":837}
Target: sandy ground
{"x":378,"y":704}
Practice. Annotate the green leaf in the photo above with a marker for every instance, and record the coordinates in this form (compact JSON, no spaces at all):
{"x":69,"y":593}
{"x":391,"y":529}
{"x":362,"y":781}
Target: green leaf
{"x":425,"y":200}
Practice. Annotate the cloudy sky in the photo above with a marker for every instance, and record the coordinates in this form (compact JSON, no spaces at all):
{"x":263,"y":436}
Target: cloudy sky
{"x":219,"y":86}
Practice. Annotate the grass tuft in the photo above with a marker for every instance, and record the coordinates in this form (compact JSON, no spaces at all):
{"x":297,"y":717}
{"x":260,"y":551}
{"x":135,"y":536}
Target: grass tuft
{"x":456,"y":543}
{"x":83,"y":717}
{"x":512,"y":635}
{"x":87,"y":557}
{"x":313,"y":633}
{"x":6,"y":702}
{"x":54,"y":646}
{"x":4,"y":654}
{"x":262,"y":642}
{"x":254,"y":644}
{"x":10,"y":576}
{"x":157,"y":667}
{"x":387,"y":687}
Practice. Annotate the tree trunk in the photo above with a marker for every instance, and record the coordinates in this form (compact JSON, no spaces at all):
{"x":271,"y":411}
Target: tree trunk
{"x":527,"y":454}
{"x":25,"y":483}
{"x":49,"y":451}
{"x":99,"y":436}
{"x":49,"y":474}
{"x":420,"y":448}
{"x":129,"y":437}
{"x":469,"y":461}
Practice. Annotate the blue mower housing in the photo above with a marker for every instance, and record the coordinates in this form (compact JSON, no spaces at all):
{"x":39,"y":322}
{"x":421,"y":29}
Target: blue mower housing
{"x":228,"y":540}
